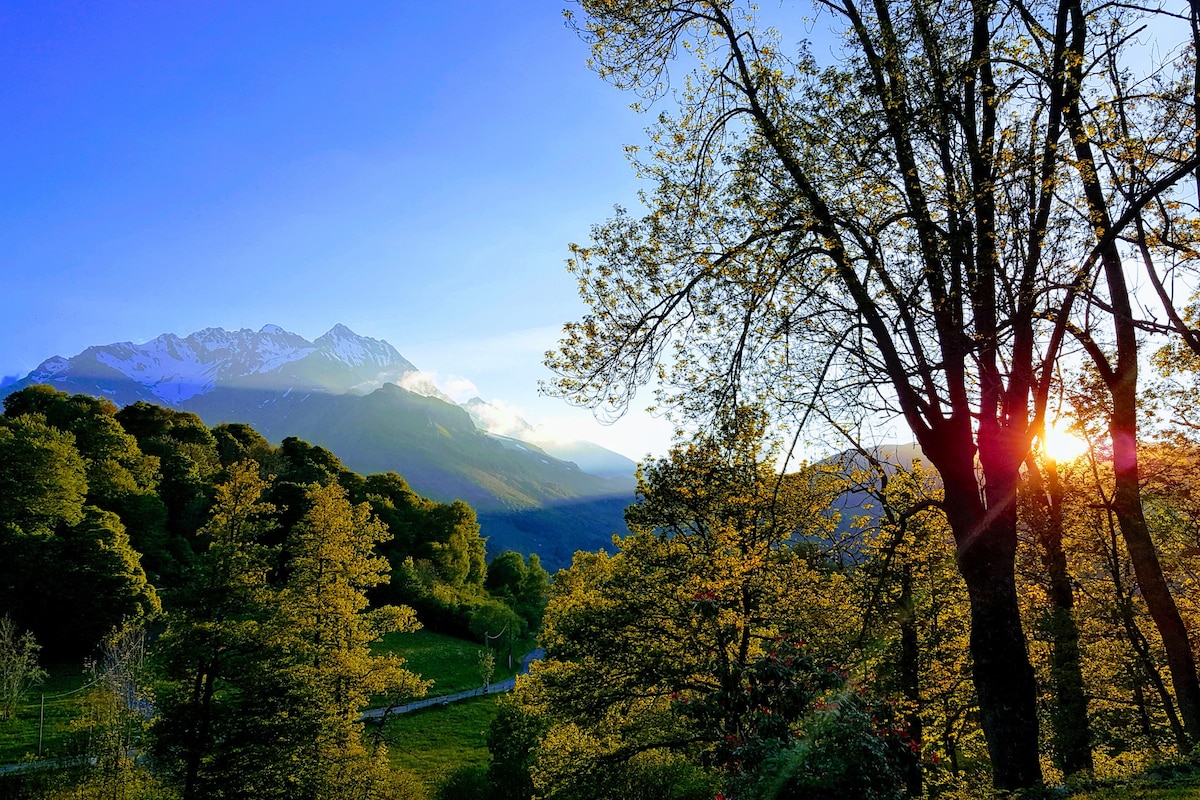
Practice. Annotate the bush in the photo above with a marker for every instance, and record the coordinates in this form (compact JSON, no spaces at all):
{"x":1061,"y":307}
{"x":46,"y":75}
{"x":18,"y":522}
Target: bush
{"x":465,"y":783}
{"x":842,"y":756}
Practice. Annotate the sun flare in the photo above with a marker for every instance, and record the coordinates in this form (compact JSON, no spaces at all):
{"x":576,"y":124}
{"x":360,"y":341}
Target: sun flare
{"x":1060,"y":444}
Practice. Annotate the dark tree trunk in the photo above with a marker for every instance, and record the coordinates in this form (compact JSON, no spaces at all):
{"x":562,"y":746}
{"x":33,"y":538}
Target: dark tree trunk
{"x":203,"y":729}
{"x":1127,"y":506}
{"x":1121,"y":381}
{"x":985,"y":533}
{"x":1072,"y":733}
{"x":1148,"y":670}
{"x":1004,"y":678}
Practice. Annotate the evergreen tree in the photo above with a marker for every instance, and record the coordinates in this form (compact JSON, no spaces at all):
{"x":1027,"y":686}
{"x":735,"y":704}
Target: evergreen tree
{"x":212,"y":641}
{"x":265,"y":682}
{"x":320,"y":649}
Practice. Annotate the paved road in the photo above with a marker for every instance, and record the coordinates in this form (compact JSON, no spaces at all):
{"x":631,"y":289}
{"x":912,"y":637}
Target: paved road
{"x":447,"y":699}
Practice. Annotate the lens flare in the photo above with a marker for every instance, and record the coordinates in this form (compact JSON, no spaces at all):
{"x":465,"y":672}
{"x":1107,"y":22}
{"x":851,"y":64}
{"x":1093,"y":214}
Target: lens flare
{"x":1060,"y":444}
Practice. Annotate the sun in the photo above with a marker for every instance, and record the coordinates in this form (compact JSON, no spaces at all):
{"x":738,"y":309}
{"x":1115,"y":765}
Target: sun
{"x":1060,"y":444}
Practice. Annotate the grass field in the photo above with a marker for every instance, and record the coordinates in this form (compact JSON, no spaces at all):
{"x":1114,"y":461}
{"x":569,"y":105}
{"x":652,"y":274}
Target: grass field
{"x":438,"y":740}
{"x":451,"y":663}
{"x":19,"y":735}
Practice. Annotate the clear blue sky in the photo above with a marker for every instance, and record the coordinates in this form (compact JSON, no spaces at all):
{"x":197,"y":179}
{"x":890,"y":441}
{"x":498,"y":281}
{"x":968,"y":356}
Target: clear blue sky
{"x":411,"y":169}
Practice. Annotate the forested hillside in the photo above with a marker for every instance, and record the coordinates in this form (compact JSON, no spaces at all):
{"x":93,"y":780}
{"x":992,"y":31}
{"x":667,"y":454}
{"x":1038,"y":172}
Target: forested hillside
{"x":102,"y":511}
{"x":256,"y":578}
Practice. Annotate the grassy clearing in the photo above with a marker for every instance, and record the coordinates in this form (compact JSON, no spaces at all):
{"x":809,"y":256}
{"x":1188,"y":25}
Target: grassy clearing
{"x":1168,"y":782}
{"x":19,"y":735}
{"x":1134,"y":793}
{"x":451,"y":663}
{"x":438,"y":740}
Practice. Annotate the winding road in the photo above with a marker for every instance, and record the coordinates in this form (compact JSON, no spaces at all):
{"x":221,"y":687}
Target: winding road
{"x":446,"y":699}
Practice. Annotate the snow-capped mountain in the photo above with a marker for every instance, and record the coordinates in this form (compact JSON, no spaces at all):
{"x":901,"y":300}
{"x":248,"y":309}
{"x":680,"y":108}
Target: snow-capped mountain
{"x":170,"y":370}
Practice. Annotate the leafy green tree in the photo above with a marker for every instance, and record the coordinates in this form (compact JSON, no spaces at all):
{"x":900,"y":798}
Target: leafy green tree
{"x":120,"y":477}
{"x":686,"y":643}
{"x":487,"y":667}
{"x":320,"y":658}
{"x":68,"y":570}
{"x":19,"y":670}
{"x":101,"y":587}
{"x":213,"y":639}
{"x":511,"y":739}
{"x":435,"y":550}
{"x":452,"y":543}
{"x":840,"y":756}
{"x":495,"y":624}
{"x":43,"y":479}
{"x":398,"y":507}
{"x":188,"y":461}
{"x":522,"y":584}
{"x":505,"y":574}
{"x":237,"y":442}
{"x":115,"y":464}
{"x":915,"y":623}
{"x":265,"y":682}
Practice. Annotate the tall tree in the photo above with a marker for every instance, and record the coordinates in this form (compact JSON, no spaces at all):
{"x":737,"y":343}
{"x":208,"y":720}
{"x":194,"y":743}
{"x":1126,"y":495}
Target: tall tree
{"x":688,"y":640}
{"x":211,"y":638}
{"x":891,"y":233}
{"x":323,"y":629}
{"x":1129,"y":151}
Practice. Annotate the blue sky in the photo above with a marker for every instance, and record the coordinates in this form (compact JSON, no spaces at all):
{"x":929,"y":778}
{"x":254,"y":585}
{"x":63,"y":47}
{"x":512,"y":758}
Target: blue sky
{"x":412,"y":169}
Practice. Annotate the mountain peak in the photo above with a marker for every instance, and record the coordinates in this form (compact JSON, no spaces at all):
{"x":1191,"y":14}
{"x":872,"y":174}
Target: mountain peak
{"x":340,"y":331}
{"x":342,"y":344}
{"x":172,"y":370}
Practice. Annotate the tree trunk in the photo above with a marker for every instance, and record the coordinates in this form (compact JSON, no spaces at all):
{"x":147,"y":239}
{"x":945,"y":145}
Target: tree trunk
{"x":202,"y":705}
{"x":985,"y":533}
{"x":1121,"y":381}
{"x":1147,"y":670}
{"x":1004,"y":678}
{"x":1072,"y":733}
{"x":1127,"y":506}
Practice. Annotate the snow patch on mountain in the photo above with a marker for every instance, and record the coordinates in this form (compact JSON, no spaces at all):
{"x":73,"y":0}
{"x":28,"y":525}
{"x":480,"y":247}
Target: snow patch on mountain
{"x":172,"y":370}
{"x":51,"y":367}
{"x":344,"y":345}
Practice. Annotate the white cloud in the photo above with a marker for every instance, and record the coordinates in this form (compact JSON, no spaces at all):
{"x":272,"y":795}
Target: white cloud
{"x":453,"y":388}
{"x":503,"y":419}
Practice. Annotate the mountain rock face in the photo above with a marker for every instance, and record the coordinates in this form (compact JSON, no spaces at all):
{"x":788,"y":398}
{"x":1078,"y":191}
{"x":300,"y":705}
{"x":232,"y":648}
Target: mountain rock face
{"x":170,"y":370}
{"x":344,"y":392}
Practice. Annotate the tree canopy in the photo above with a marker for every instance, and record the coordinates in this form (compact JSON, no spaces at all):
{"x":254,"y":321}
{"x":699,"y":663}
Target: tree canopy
{"x":902,"y":231}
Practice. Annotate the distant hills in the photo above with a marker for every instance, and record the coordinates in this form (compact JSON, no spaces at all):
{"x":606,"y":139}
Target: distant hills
{"x":362,"y":400}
